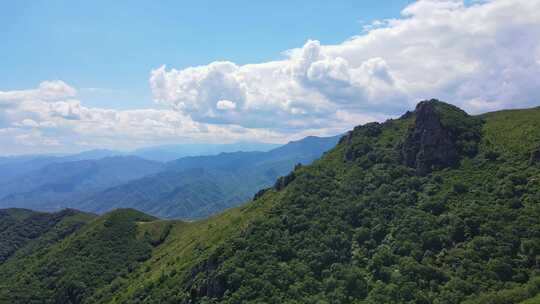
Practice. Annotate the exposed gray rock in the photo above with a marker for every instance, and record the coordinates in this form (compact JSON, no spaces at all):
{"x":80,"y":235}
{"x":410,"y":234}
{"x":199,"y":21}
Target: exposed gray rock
{"x":428,"y":145}
{"x":213,"y":286}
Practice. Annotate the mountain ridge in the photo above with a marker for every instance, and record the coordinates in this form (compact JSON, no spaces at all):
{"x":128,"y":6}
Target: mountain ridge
{"x":57,"y":184}
{"x":189,"y":187}
{"x":199,"y":186}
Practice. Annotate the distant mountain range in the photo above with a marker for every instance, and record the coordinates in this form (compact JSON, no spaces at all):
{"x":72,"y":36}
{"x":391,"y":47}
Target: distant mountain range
{"x":60,"y":184}
{"x":172,"y":152}
{"x":162,"y":153}
{"x":14,"y":166}
{"x":189,"y":187}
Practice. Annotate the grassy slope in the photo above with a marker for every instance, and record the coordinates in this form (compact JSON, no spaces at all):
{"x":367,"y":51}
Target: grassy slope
{"x":513,"y":131}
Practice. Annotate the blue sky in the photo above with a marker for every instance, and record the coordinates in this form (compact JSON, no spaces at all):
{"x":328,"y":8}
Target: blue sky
{"x":80,"y":75}
{"x":107,"y":48}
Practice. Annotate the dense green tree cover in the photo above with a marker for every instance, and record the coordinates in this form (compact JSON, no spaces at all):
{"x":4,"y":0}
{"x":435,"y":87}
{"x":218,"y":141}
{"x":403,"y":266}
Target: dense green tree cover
{"x":372,"y":230}
{"x":71,"y":271}
{"x":23,"y":231}
{"x":361,"y":225}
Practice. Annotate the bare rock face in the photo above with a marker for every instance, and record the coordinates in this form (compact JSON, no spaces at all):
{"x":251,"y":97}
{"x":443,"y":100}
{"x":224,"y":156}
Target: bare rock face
{"x":213,"y":286}
{"x":428,"y":145}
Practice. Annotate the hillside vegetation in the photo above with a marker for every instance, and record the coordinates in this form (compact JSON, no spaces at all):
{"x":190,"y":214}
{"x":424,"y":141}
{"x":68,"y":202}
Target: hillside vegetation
{"x":23,"y":231}
{"x":434,"y":207}
{"x":72,"y":270}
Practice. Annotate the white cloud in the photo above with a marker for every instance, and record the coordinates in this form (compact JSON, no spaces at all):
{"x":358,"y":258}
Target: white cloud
{"x":47,"y":90}
{"x":27,"y":123}
{"x":481,"y":56}
{"x":39,"y":121}
{"x":35,"y":138}
{"x":225,"y":105}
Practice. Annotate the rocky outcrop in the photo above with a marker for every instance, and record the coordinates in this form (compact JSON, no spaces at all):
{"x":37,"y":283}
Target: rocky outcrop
{"x":283,"y":181}
{"x":428,"y":145}
{"x":212,"y":286}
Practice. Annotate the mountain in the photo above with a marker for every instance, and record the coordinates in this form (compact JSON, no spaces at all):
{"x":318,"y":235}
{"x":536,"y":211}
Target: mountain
{"x":98,"y":252}
{"x":91,"y":154}
{"x":23,"y":231}
{"x":190,"y":187}
{"x":15,"y":166}
{"x":172,"y":152}
{"x":434,"y":207}
{"x":198,"y":186}
{"x":60,"y":184}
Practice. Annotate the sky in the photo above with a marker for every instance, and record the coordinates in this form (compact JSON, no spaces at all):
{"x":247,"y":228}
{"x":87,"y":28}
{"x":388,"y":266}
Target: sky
{"x":107,"y":48}
{"x":130,"y":74}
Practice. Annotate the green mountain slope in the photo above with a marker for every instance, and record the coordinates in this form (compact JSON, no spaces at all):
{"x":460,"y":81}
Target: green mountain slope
{"x":74,"y":269}
{"x":199,"y":186}
{"x":435,"y":207}
{"x":23,"y":231}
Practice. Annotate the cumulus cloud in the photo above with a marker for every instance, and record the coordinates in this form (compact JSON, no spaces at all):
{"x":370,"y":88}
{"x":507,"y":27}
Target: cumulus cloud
{"x":482,"y":56}
{"x":47,"y":91}
{"x":51,"y":119}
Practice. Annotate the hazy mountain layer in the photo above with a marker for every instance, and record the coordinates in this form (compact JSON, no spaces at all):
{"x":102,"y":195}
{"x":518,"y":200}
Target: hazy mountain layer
{"x":61,"y":185}
{"x":190,"y":187}
{"x":172,"y":152}
{"x":198,"y":186}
